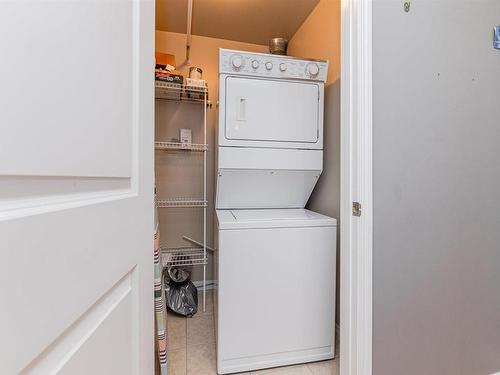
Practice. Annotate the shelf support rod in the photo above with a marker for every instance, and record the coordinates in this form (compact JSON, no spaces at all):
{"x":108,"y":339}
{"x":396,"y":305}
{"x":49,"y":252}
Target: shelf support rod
{"x":205,"y":199}
{"x":188,"y":32}
{"x":194,"y":242}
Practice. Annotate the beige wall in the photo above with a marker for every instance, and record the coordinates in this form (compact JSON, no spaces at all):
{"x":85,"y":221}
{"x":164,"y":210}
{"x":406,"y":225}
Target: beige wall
{"x":319,"y":38}
{"x":180,"y":174}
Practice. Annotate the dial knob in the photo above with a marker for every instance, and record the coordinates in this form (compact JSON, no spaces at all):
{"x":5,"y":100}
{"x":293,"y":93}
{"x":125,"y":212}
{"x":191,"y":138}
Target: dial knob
{"x":269,"y":65}
{"x":312,"y":69}
{"x":283,"y":67}
{"x":237,"y":62}
{"x":255,"y":64}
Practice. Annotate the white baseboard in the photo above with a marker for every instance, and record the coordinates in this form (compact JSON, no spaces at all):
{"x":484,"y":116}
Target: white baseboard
{"x":337,"y":340}
{"x":211,"y":284}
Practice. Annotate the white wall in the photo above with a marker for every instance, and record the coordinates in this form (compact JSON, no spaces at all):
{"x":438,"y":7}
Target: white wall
{"x":436,"y":185}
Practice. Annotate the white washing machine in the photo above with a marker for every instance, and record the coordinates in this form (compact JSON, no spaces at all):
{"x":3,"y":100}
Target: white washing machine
{"x":276,"y":272}
{"x":275,"y":303}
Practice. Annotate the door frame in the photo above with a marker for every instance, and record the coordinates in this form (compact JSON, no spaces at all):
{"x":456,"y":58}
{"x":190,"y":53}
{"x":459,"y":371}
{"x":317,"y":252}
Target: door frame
{"x":356,"y":233}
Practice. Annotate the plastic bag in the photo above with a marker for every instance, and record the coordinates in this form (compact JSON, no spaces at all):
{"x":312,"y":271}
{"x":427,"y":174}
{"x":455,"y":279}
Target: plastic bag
{"x":182,"y":298}
{"x":180,"y":274}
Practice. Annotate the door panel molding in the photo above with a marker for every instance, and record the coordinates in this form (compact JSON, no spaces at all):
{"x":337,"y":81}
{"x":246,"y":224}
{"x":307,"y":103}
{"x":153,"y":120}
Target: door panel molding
{"x":29,"y":195}
{"x":56,"y":356}
{"x":89,"y":83}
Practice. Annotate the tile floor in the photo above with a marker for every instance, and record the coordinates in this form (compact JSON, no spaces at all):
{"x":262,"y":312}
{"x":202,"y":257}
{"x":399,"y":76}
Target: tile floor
{"x":191,"y":344}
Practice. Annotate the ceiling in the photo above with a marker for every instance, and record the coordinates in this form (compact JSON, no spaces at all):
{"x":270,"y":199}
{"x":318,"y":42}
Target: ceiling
{"x":251,"y":21}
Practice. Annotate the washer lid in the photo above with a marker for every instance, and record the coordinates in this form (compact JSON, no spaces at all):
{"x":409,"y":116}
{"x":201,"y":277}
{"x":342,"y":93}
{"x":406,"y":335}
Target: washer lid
{"x":272,"y":218}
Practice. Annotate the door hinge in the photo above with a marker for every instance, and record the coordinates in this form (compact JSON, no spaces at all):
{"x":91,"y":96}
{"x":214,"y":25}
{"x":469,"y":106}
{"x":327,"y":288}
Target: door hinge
{"x":356,"y":209}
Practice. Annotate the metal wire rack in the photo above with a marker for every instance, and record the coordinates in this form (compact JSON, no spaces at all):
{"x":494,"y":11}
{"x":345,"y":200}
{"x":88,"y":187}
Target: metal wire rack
{"x":175,"y":92}
{"x":181,"y":202}
{"x":193,"y":255}
{"x":183,"y":256}
{"x":177,"y":146}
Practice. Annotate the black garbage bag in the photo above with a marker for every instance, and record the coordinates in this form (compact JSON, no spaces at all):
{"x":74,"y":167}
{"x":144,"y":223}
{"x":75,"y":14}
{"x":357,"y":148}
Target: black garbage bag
{"x":182,"y":298}
{"x":180,"y":273}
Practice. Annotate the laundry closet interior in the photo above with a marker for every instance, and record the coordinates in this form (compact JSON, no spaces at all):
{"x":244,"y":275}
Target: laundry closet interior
{"x":247,"y":176}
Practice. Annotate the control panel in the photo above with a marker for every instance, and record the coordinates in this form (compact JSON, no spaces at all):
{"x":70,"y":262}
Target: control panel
{"x":274,"y":66}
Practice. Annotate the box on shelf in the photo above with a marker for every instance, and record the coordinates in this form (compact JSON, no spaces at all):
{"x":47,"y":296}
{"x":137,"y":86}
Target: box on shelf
{"x":161,"y":75}
{"x":195,"y":88}
{"x":171,"y":84}
{"x":186,"y":137}
{"x":165,"y":61}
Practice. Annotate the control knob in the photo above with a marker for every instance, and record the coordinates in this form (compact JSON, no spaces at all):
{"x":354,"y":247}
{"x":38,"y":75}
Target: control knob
{"x":255,"y":64}
{"x":237,"y":62}
{"x":269,"y":65}
{"x":312,"y":70}
{"x":282,"y":67}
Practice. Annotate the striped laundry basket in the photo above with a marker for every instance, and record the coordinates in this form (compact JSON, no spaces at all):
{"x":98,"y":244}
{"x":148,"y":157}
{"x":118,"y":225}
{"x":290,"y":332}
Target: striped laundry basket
{"x":160,"y":322}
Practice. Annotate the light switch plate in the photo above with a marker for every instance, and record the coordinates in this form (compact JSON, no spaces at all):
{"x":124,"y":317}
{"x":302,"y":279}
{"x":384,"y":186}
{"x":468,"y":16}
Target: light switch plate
{"x":496,"y":37}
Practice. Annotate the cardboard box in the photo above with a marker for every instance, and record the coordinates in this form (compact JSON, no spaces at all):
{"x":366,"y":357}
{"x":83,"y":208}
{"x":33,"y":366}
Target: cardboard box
{"x":169,"y":77}
{"x":165,"y":61}
{"x":195,"y":88}
{"x":170,"y":86}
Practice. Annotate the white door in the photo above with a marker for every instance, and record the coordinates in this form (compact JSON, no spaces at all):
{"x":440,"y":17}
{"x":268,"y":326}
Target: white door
{"x":272,"y":110}
{"x":76,"y":187}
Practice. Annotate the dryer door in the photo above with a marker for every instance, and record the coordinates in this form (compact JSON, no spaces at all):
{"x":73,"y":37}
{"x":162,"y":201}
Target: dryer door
{"x":265,"y":110}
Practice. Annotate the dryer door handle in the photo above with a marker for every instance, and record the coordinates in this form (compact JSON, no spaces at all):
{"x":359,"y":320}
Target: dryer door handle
{"x":242,"y":109}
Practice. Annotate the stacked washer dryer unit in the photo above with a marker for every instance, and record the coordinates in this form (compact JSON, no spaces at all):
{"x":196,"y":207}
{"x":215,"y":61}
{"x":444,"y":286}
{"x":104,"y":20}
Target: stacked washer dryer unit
{"x":275,"y":303}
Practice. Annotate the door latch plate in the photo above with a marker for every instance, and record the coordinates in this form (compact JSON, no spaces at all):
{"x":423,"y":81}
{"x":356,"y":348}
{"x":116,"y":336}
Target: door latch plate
{"x":496,"y":37}
{"x":356,"y":209}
